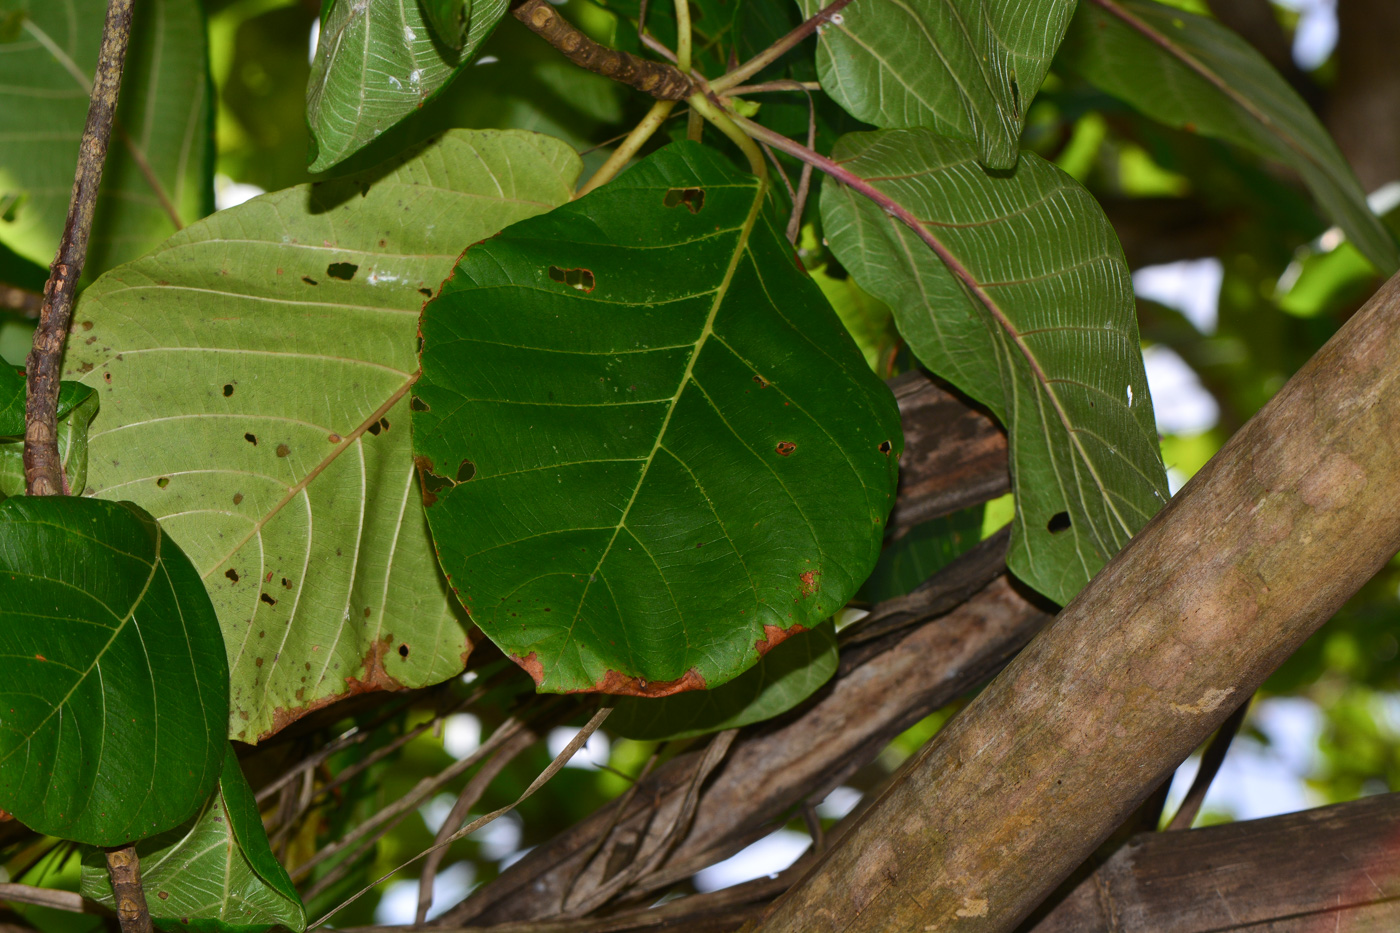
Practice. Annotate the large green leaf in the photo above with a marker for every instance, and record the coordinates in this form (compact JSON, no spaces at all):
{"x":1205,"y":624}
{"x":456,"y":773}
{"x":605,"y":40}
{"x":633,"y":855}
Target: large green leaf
{"x":73,"y":422}
{"x":649,"y":447}
{"x":116,"y":685}
{"x":1191,"y":72}
{"x":966,"y":68}
{"x":781,"y":679}
{"x":1030,"y":311}
{"x":264,"y":419}
{"x":214,"y":873}
{"x":160,"y":160}
{"x":376,"y":63}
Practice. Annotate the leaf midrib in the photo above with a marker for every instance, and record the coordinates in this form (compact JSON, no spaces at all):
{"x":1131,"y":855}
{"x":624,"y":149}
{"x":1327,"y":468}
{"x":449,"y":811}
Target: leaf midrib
{"x":740,"y":248}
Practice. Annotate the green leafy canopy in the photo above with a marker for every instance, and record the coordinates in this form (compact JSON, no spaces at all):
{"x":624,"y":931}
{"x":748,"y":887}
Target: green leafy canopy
{"x":265,"y":421}
{"x":116,"y":683}
{"x":650,"y":450}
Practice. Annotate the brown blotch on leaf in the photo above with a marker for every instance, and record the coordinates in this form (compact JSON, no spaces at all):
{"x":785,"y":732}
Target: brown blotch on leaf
{"x":286,"y":584}
{"x":886,"y":447}
{"x":309,"y":280}
{"x":692,"y":198}
{"x":251,"y":438}
{"x":163,"y":482}
{"x":231,"y":574}
{"x":581,"y":279}
{"x":85,"y":368}
{"x":163,"y":895}
{"x":618,"y":684}
{"x":426,"y":292}
{"x":384,"y":423}
{"x":430,"y":481}
{"x":258,"y":662}
{"x":808,"y":579}
{"x":374,"y":677}
{"x":345,"y":271}
{"x":283,"y":450}
{"x":237,"y":498}
{"x":785,"y":448}
{"x":417,"y":404}
{"x":403,"y":651}
{"x":375,"y":428}
{"x":774,"y":636}
{"x":228,"y":389}
{"x":1058,"y":522}
{"x":268,"y":599}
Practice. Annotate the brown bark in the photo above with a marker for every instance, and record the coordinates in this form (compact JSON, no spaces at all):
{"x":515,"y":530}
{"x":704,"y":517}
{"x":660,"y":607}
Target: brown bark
{"x":1261,"y":547}
{"x":125,"y":871}
{"x":43,"y":471}
{"x":660,"y":80}
{"x":1364,"y":109}
{"x":1329,"y":869}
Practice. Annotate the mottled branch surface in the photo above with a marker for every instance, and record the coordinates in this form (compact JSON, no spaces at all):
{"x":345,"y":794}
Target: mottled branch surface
{"x":1293,"y":515}
{"x":43,"y":472}
{"x":125,"y":871}
{"x":1333,"y":868}
{"x":660,"y":80}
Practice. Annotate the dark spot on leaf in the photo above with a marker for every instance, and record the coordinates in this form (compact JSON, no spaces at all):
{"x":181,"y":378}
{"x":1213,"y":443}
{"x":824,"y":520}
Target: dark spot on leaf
{"x":309,"y":280}
{"x":258,"y":662}
{"x":374,"y":429}
{"x":286,"y":583}
{"x":345,"y":271}
{"x":417,"y":404}
{"x":251,"y":438}
{"x":237,"y":498}
{"x":107,"y":377}
{"x":164,"y":895}
{"x":86,"y":367}
{"x":692,"y":198}
{"x":384,"y":423}
{"x":268,"y":599}
{"x":886,"y":447}
{"x":1058,"y":522}
{"x":582,"y":279}
{"x":163,"y":482}
{"x":785,"y":448}
{"x":426,"y":292}
{"x":403,"y":651}
{"x":366,"y":612}
{"x":87,"y":325}
{"x":283,"y":450}
{"x":466,"y":471}
{"x":228,"y":390}
{"x":762,"y":384}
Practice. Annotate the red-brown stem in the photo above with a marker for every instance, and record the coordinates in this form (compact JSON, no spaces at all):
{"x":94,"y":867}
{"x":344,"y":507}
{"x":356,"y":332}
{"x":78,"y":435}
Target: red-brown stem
{"x":42,"y":471}
{"x":125,"y":871}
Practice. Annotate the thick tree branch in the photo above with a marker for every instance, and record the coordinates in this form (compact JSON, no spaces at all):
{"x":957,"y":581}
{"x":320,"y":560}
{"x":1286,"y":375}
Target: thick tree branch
{"x":43,"y":471}
{"x":1260,"y":548}
{"x":660,"y":80}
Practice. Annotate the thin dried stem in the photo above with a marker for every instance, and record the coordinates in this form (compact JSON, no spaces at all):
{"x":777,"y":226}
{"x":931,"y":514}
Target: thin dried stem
{"x":124,"y":868}
{"x":635,"y":140}
{"x":554,"y":768}
{"x":660,"y":80}
{"x":43,"y":471}
{"x":1211,"y":760}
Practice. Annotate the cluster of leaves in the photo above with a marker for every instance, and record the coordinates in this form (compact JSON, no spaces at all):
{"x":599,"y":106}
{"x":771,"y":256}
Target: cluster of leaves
{"x":320,"y":435}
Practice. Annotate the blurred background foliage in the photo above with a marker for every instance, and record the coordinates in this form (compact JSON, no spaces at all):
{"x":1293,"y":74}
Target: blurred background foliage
{"x":1240,"y":282}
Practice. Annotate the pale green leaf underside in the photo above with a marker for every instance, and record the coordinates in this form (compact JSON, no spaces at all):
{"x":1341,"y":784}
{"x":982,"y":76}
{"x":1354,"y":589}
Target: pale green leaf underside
{"x":376,"y":63}
{"x":164,"y":121}
{"x":325,"y":582}
{"x":209,"y":873}
{"x":966,"y":68}
{"x":1189,"y":71}
{"x":649,"y":474}
{"x":116,"y":686}
{"x":781,"y":679}
{"x":1048,"y":340}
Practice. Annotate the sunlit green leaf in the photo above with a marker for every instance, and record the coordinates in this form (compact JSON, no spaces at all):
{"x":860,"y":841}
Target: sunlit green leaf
{"x":966,"y":68}
{"x":648,"y":445}
{"x":1189,"y":71}
{"x":265,"y":421}
{"x":376,"y":63}
{"x":1029,"y":311}
{"x":782,"y":678}
{"x":116,"y":683}
{"x":160,"y":161}
{"x":215,"y":873}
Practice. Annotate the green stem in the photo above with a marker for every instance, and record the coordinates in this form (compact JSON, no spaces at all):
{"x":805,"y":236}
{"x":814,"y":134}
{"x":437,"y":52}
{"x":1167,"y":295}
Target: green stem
{"x":683,"y":38}
{"x":703,"y":106}
{"x":635,"y":140}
